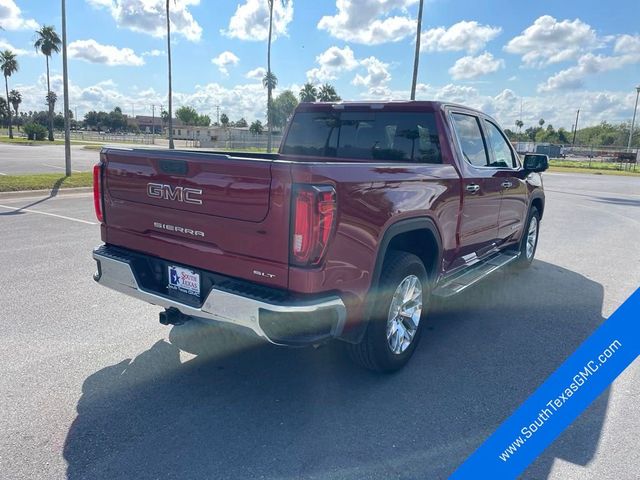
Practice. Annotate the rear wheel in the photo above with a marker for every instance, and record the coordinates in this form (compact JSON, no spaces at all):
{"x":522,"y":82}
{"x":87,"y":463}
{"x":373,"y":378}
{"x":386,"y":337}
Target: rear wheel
{"x":529,"y":241}
{"x":395,"y":326}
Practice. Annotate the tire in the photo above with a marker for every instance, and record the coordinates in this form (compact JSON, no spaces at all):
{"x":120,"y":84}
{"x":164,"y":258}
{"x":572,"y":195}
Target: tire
{"x":384,"y":348}
{"x":528,"y":249}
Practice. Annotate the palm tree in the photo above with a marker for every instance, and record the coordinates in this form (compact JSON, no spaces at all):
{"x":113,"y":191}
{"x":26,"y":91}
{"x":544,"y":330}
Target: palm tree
{"x":52,"y":98}
{"x":267,"y":82}
{"x":8,"y":65}
{"x":308,"y":93}
{"x":416,"y":59}
{"x":270,"y":82}
{"x":169,"y":112}
{"x":519,"y":124}
{"x":15,"y":98}
{"x":48,"y":42}
{"x":328,"y":93}
{"x":541,"y":122}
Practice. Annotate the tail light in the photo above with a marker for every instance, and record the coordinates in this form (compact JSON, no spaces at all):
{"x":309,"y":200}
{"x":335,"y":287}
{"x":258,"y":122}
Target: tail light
{"x":314,"y":215}
{"x":97,"y":192}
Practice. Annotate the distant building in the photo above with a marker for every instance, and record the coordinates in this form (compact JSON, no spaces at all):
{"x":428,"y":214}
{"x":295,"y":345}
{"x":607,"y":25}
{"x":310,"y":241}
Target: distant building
{"x":148,"y":124}
{"x":221,"y":137}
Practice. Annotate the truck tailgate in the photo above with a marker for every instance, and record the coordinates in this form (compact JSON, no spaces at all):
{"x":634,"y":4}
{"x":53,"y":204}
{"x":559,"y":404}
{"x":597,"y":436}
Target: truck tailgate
{"x":220,"y":213}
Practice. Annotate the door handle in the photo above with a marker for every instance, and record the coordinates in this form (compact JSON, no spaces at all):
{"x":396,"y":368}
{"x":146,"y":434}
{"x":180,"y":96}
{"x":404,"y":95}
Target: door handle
{"x":507,"y":184}
{"x":473,"y":188}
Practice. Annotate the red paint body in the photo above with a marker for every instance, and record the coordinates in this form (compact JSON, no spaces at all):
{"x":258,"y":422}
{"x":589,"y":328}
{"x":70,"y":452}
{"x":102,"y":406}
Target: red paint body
{"x":245,"y":214}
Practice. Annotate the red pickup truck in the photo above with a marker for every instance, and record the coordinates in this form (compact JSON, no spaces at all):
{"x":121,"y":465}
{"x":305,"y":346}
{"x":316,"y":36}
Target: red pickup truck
{"x":367,"y":210}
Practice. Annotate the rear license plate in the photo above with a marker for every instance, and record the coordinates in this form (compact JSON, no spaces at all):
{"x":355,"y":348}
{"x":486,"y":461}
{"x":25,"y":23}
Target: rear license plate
{"x":184,"y":280}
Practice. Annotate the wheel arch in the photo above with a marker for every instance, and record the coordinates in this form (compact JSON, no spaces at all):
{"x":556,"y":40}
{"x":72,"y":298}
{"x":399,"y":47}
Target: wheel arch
{"x":538,"y":202}
{"x":427,"y":246}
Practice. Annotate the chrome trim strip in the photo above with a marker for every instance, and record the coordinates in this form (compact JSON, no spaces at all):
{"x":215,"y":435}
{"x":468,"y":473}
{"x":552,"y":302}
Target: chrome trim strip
{"x":219,"y":306}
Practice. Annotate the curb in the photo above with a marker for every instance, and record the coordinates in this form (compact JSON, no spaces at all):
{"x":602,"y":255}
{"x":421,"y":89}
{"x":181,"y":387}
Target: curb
{"x":45,"y":193}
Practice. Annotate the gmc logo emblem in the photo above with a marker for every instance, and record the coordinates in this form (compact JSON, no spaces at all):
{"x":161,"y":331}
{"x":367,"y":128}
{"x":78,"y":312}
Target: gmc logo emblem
{"x":177,"y":194}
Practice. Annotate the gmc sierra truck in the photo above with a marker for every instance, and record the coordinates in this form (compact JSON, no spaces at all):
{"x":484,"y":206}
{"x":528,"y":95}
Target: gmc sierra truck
{"x":366,"y":212}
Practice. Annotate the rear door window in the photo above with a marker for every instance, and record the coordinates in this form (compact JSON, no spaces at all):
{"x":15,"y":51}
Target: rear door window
{"x":471,"y":140}
{"x":502,"y":154}
{"x":383,"y":136}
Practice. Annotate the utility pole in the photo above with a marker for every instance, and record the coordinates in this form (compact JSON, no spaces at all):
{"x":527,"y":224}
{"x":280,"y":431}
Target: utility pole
{"x":153,"y":123}
{"x":416,"y":59}
{"x":218,"y":115}
{"x":65,"y":87}
{"x":575,"y":130}
{"x":633,"y":122}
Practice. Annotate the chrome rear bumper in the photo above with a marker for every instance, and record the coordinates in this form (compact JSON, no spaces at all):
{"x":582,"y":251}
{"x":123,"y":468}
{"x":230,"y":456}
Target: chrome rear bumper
{"x":115,"y":271}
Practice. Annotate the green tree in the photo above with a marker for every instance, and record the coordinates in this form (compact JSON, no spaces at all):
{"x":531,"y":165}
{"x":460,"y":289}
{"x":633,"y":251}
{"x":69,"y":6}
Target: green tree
{"x":224,"y":120}
{"x":187,"y":115}
{"x":48,"y":42}
{"x":270,"y":82}
{"x":116,"y":120}
{"x":9,"y":66}
{"x":4,"y":111}
{"x":328,"y":93}
{"x":15,"y":99}
{"x":519,"y":124}
{"x":51,"y":98}
{"x":256,"y":128}
{"x":203,"y":121}
{"x":541,"y":122}
{"x":242,"y":123}
{"x":308,"y":93}
{"x":164,"y":115}
{"x":283,"y":107}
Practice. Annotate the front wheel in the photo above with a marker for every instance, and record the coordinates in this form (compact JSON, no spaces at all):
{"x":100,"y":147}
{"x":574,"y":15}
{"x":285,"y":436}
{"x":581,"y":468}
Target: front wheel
{"x":394,"y":329}
{"x":529,"y":241}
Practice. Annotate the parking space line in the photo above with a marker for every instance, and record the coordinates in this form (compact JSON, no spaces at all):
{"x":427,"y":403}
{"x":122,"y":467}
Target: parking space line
{"x":58,"y":167}
{"x":48,"y":214}
{"x":2,"y":173}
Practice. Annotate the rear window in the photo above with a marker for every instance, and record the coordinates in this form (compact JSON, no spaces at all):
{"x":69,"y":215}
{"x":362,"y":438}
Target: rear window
{"x":384,"y":136}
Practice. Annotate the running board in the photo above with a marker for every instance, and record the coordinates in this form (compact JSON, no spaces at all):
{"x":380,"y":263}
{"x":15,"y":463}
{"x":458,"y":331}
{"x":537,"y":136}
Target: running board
{"x":458,"y":282}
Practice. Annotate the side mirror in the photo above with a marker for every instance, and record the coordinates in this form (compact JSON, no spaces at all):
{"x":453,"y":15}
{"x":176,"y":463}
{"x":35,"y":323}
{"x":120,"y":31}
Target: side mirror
{"x":536,"y":162}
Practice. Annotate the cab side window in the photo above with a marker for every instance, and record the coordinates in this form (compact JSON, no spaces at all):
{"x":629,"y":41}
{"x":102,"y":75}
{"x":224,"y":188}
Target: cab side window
{"x":502,"y":153}
{"x":471,"y":141}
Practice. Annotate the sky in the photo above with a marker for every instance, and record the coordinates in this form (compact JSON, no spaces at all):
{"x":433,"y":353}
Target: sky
{"x":547,"y":58}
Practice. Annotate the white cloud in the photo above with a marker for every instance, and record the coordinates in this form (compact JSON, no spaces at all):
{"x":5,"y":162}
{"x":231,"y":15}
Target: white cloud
{"x":627,"y":45}
{"x":251,"y":20}
{"x":550,"y":41}
{"x":224,"y":60}
{"x":558,"y":108}
{"x":370,"y":21}
{"x":377,"y":74}
{"x":154,"y":53}
{"x":11,"y":17}
{"x":5,"y":45}
{"x":256,"y":73}
{"x":148,"y":16}
{"x":332,"y":62}
{"x":473,"y":67}
{"x":589,"y":64}
{"x":468,"y":36}
{"x":94,"y":52}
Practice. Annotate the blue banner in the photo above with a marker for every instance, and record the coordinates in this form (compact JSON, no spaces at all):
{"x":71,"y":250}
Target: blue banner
{"x":560,"y":399}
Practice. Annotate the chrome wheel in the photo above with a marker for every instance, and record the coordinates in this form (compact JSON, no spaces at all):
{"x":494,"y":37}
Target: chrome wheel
{"x":404,"y":314}
{"x":532,"y":236}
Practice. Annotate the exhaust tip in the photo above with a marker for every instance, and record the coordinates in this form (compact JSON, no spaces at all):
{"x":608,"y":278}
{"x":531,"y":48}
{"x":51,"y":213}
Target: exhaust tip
{"x":173,"y":316}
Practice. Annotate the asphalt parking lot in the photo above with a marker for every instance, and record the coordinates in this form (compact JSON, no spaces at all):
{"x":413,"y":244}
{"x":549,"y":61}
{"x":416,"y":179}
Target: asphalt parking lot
{"x":92,"y":386}
{"x":17,"y":159}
